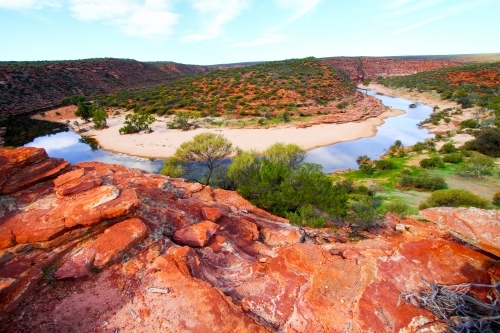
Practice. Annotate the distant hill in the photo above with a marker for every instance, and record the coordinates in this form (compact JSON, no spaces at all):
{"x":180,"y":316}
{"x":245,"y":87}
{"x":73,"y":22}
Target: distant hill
{"x":29,"y":86}
{"x":257,"y":89}
{"x":359,"y":68}
{"x":468,"y":85}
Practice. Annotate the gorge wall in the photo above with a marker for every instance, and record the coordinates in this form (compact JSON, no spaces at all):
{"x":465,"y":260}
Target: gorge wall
{"x":29,"y":86}
{"x":101,"y":248}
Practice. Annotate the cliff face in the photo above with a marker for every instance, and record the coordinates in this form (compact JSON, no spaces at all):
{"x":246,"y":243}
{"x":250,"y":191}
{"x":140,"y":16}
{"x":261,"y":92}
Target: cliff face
{"x":96,"y":247}
{"x":26,"y":87}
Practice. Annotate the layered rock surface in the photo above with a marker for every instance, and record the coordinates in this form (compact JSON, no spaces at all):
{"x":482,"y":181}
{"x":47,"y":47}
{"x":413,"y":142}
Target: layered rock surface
{"x":105,"y":248}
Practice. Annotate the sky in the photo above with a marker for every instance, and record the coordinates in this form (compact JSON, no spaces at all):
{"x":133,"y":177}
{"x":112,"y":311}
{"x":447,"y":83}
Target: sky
{"x":207,"y":32}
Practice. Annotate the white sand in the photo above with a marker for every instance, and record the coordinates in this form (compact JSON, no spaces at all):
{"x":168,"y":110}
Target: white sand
{"x":163,"y":142}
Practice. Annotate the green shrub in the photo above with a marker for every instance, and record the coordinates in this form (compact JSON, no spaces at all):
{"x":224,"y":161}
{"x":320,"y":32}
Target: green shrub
{"x":454,"y":198}
{"x":453,"y":158}
{"x":496,"y":197}
{"x":366,"y":169}
{"x":422,"y":181}
{"x":400,"y":209}
{"x":432,"y":162}
{"x":448,"y":148}
{"x":488,"y":142}
{"x":305,"y":216}
{"x":469,"y":123}
{"x":385,"y":165}
{"x":476,"y":166}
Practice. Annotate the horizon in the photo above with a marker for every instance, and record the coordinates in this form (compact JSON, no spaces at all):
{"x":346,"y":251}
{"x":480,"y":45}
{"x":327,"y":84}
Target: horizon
{"x":216,"y":32}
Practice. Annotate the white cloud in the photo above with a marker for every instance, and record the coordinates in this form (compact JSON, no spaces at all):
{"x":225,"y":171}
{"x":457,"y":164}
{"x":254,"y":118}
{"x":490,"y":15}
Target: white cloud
{"x":271,"y":39}
{"x":144,"y":18}
{"x":300,"y":7}
{"x":218,"y":12}
{"x":28,"y":4}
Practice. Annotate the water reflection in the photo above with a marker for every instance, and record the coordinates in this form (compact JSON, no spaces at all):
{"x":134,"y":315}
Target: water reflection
{"x":75,"y":149}
{"x":405,"y":128}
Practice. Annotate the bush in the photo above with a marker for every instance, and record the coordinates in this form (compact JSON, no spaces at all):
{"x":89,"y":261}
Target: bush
{"x":454,"y":198}
{"x":423,"y":181}
{"x":453,"y":158}
{"x":432,"y":162}
{"x":366,"y":169}
{"x":400,"y":209}
{"x":476,"y":166}
{"x":469,"y":123}
{"x":448,"y":148}
{"x":385,"y":165}
{"x":496,"y":197}
{"x":136,"y":122}
{"x":488,"y":142}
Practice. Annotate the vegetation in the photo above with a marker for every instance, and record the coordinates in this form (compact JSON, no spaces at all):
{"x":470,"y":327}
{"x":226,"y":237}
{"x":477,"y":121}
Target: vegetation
{"x":136,"y":122}
{"x":487,"y":142}
{"x":280,"y":182}
{"x":73,"y":100}
{"x":99,"y":117}
{"x":85,"y":111}
{"x":432,"y":162}
{"x":476,"y":166}
{"x":468,"y":85}
{"x":422,"y":181}
{"x":496,"y":197}
{"x":200,"y":157}
{"x":277,"y":87}
{"x":454,"y":198}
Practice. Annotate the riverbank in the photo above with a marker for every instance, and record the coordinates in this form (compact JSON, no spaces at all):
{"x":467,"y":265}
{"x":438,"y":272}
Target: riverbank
{"x":163,"y":142}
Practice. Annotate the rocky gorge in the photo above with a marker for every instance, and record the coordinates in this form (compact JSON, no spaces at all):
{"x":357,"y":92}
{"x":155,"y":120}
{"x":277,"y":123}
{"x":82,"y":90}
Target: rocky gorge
{"x":95,"y":247}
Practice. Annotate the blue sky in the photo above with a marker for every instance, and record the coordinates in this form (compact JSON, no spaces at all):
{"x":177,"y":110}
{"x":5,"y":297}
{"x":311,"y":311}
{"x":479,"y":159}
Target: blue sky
{"x":225,"y":31}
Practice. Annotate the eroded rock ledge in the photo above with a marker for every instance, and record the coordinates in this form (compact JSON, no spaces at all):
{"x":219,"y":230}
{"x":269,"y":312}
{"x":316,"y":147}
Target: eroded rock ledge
{"x":97,"y":247}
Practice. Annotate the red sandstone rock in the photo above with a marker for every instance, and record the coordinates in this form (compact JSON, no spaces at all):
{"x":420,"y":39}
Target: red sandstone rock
{"x":196,"y":235}
{"x":76,"y":185}
{"x":211,"y":214}
{"x":68,"y":176}
{"x":478,"y":227}
{"x":12,"y":160}
{"x":7,"y":239}
{"x":106,"y":249}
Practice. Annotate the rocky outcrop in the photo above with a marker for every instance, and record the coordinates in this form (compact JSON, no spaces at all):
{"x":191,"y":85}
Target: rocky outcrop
{"x":32,"y":86}
{"x":106,"y":248}
{"x":478,"y":227}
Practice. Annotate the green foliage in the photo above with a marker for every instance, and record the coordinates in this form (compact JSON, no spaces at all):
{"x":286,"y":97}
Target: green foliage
{"x":305,"y":216}
{"x":432,"y":162}
{"x":181,"y":121}
{"x":476,"y":166}
{"x":448,"y":148}
{"x":73,"y":100}
{"x":385,"y":165}
{"x":469,"y":123}
{"x":426,"y":145}
{"x":400,"y":209}
{"x":454,"y":198}
{"x":282,"y":183}
{"x":366,"y":169}
{"x":85,"y":111}
{"x":201,"y":156}
{"x":488,"y":142}
{"x":136,"y":122}
{"x":453,"y":158}
{"x":422,"y":181}
{"x":172,"y":167}
{"x":363,"y":159}
{"x":367,"y":81}
{"x":99,"y":117}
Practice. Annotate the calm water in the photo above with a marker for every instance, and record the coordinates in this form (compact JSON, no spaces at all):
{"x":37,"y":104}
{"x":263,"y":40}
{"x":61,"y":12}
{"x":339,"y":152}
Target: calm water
{"x":70,"y":146}
{"x":343,"y":155}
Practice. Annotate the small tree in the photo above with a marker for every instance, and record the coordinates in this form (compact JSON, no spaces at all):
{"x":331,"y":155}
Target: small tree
{"x":85,"y":111}
{"x":476,"y":166}
{"x":172,"y":167}
{"x":99,"y":117}
{"x":203,"y":155}
{"x":181,"y":121}
{"x":136,"y":122}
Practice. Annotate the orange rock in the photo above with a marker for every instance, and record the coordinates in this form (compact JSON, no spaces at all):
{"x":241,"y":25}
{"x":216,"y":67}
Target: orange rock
{"x":478,"y":227}
{"x":196,"y":235}
{"x":13,"y":160}
{"x":76,"y":185}
{"x":68,"y":176}
{"x":211,"y":214}
{"x":7,"y":239}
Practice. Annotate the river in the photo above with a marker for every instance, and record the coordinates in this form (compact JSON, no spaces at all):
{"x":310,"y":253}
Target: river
{"x":73,"y":148}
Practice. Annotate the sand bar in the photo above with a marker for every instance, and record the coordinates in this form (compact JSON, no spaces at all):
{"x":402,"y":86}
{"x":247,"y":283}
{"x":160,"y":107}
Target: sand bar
{"x":163,"y":142}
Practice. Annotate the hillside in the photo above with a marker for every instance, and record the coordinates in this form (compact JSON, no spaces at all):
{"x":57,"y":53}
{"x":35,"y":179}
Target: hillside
{"x":359,"y":68}
{"x":28,"y":86}
{"x":260,"y":89}
{"x":468,"y":85}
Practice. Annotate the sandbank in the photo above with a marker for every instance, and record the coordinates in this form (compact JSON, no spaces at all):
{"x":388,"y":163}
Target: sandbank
{"x":163,"y":142}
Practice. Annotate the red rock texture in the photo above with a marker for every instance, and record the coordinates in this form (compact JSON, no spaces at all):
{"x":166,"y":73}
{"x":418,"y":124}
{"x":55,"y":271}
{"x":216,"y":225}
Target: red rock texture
{"x":113,"y":249}
{"x":196,"y":235}
{"x":475,"y":226}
